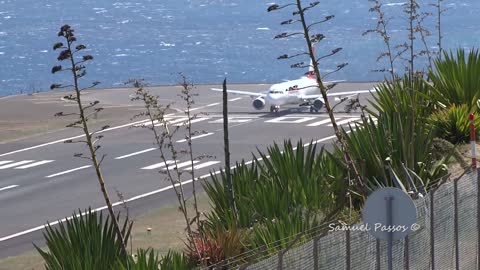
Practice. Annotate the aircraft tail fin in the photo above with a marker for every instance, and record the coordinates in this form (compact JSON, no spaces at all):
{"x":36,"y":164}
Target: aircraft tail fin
{"x":310,"y":68}
{"x":311,"y":73}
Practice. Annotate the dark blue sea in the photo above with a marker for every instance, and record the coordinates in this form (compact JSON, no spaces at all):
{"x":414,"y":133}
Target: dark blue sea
{"x":206,"y":40}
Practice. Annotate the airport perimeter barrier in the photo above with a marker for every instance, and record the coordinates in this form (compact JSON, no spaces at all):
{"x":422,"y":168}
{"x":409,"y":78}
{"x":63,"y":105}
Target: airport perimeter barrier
{"x":447,"y":237}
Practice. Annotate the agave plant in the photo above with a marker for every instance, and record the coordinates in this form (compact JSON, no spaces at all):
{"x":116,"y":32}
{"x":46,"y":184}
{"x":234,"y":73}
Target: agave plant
{"x":456,"y":78}
{"x":146,"y":259}
{"x":295,"y":178}
{"x":278,"y":234}
{"x":406,"y":97}
{"x":452,"y":124}
{"x":391,"y":143}
{"x":85,"y":242}
{"x":175,"y":260}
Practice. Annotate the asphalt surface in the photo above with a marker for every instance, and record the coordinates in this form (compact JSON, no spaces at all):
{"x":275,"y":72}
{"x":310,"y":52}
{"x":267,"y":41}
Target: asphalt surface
{"x":41,"y":181}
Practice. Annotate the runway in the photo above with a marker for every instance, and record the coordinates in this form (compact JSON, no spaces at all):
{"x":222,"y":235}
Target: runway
{"x":41,"y":180}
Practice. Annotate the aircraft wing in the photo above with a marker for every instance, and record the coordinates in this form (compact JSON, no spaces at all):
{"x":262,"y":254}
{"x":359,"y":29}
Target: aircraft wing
{"x":346,"y":93}
{"x":239,"y":92}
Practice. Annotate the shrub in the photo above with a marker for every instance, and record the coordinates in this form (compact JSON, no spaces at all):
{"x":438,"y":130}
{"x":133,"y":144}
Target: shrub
{"x":297,"y":178}
{"x":453,"y":124}
{"x":175,"y":260}
{"x":456,"y":79}
{"x":85,"y":242}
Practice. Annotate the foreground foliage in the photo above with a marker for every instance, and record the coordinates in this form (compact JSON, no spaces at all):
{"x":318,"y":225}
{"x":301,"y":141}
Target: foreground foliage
{"x":85,"y":242}
{"x":453,"y":125}
{"x":456,"y":78}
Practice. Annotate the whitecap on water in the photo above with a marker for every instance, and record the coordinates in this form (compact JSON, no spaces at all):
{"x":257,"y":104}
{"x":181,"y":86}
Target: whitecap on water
{"x":167,"y":44}
{"x":395,"y":4}
{"x":121,"y":54}
{"x":43,"y":51}
{"x":2,"y":53}
{"x":263,"y":28}
{"x":124,"y":21}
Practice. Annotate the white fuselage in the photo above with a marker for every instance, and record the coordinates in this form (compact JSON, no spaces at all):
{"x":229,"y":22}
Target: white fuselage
{"x":291,"y":92}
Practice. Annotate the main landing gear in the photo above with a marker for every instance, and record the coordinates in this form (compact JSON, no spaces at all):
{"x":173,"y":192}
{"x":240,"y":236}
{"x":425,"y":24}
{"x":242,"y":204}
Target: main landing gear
{"x":274,"y":109}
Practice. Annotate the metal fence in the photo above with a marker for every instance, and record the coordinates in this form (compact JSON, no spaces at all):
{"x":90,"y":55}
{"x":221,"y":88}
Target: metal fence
{"x":447,"y":238}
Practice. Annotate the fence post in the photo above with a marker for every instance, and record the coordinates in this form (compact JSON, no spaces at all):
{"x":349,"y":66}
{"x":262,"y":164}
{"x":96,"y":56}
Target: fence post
{"x":315,"y":253}
{"x":432,"y":231}
{"x":478,"y":218}
{"x":347,"y":236}
{"x":377,"y":250}
{"x":280,"y":260}
{"x":473,"y":144}
{"x":407,"y":255}
{"x":455,"y":223}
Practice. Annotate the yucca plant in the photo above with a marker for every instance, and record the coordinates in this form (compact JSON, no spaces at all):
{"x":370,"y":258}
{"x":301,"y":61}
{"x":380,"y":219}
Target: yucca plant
{"x":391,"y":143}
{"x":456,"y":78}
{"x":277,"y":234}
{"x":145,"y":259}
{"x":307,"y":178}
{"x":395,"y":98}
{"x":289,"y":179}
{"x":85,"y":242}
{"x":452,"y":124}
{"x":175,"y":260}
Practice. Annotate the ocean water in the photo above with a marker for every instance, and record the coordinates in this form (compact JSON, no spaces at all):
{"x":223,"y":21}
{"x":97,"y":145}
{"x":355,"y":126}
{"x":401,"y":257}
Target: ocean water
{"x":206,"y":40}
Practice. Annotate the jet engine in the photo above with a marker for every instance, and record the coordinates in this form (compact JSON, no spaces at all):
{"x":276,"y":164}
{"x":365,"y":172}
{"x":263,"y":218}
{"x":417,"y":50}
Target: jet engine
{"x":259,"y":103}
{"x":318,"y":104}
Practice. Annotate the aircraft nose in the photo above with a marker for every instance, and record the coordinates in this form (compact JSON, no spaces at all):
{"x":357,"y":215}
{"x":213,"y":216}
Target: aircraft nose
{"x":272,"y":98}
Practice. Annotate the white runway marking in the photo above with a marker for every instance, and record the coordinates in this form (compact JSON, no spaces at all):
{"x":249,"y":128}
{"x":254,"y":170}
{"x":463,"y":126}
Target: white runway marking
{"x":135,"y":198}
{"x":196,"y":137}
{"x":15,"y":164}
{"x":5,"y":161}
{"x":38,"y":163}
{"x":194,"y":121}
{"x":203,"y":165}
{"x":236,"y":119}
{"x":288,"y":119}
{"x":314,"y":124}
{"x":213,"y":104}
{"x":158,"y":165}
{"x":182,"y":164}
{"x":74,"y":105}
{"x":345,"y":121}
{"x":171,"y":122}
{"x":71,"y":138}
{"x":45,"y":102}
{"x":69,"y":171}
{"x":117,"y":106}
{"x":9,"y":187}
{"x":235,"y":99}
{"x":136,"y":153}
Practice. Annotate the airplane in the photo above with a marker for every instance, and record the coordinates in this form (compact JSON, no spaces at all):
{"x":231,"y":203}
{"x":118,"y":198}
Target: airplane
{"x":302,"y":92}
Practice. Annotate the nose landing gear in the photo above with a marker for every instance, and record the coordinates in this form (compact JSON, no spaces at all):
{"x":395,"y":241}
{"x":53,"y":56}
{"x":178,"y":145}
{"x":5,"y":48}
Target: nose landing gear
{"x":313,"y":109}
{"x":274,"y":108}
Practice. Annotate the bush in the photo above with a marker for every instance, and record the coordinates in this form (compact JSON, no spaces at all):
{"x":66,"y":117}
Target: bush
{"x":174,"y":260}
{"x":453,"y":124}
{"x":217,"y":245}
{"x":391,"y":142}
{"x":456,"y":79}
{"x":85,"y":242}
{"x":297,"y":178}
